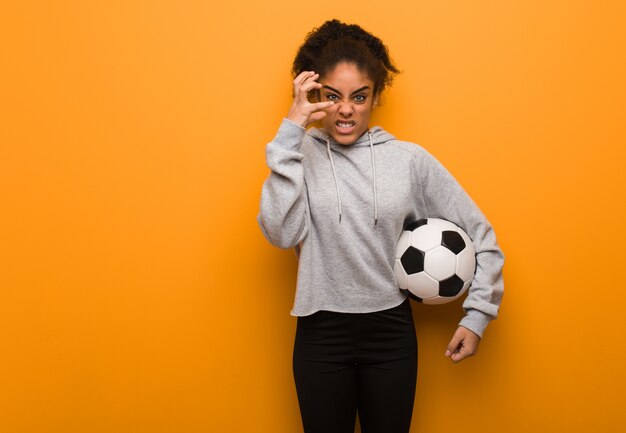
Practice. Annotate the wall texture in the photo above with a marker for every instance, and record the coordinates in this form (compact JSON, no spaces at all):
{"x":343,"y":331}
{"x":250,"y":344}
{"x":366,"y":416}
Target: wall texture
{"x":137,"y":293}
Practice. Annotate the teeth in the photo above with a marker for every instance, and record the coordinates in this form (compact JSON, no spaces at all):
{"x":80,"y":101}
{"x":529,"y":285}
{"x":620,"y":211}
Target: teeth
{"x":344,"y":125}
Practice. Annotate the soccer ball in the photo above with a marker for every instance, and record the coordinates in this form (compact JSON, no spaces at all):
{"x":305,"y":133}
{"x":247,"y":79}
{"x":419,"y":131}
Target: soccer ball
{"x":435,"y":261}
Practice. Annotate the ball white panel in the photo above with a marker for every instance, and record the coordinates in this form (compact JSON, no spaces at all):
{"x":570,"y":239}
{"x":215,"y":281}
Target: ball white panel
{"x":401,"y":276}
{"x":423,"y":286}
{"x":466,"y":264}
{"x":403,"y":243}
{"x":438,"y":300}
{"x":426,"y":237}
{"x":442,"y":224}
{"x":440,"y":263}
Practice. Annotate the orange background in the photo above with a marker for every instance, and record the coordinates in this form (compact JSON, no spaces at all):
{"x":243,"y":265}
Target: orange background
{"x":137,"y":292}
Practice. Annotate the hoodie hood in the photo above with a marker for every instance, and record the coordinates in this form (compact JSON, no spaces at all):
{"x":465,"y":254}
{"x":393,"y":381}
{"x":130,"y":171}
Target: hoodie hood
{"x":373,"y":136}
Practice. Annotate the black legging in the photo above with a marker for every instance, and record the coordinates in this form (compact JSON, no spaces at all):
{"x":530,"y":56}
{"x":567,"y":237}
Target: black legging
{"x":344,"y":362}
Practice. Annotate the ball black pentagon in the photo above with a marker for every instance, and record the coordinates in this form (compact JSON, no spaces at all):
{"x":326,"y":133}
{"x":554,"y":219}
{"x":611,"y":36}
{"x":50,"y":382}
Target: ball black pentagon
{"x":453,"y":241}
{"x":411,"y":295}
{"x":412,"y":260}
{"x":416,"y":224}
{"x":450,"y":286}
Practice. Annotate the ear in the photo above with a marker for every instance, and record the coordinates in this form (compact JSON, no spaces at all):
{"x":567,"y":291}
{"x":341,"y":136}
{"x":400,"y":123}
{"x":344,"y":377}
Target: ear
{"x":375,"y":102}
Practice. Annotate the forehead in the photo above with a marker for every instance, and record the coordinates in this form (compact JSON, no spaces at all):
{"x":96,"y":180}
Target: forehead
{"x":346,"y":76}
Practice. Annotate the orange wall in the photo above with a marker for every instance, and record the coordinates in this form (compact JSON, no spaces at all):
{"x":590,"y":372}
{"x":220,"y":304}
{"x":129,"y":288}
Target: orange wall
{"x":137,"y":292}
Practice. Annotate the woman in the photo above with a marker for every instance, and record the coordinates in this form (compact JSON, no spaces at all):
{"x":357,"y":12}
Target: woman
{"x":341,"y":195}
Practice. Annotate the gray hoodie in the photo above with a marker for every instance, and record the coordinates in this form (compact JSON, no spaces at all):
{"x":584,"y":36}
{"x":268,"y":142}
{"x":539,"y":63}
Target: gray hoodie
{"x":343,"y":208}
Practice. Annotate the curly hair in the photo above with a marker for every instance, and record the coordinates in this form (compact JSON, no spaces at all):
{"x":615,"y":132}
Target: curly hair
{"x":335,"y":42}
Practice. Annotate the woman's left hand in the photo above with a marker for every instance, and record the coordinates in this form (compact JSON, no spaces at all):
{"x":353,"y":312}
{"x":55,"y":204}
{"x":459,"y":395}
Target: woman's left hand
{"x":464,"y":343}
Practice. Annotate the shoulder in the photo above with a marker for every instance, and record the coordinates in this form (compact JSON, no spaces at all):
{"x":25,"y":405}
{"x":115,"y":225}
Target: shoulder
{"x":310,"y":144}
{"x":407,"y":149}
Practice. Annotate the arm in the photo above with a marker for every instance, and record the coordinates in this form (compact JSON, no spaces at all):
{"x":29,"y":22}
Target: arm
{"x":284,"y":214}
{"x":446,"y":199}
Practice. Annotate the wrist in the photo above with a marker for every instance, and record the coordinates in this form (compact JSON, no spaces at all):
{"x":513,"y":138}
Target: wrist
{"x":295,"y":123}
{"x":476,"y":321}
{"x":300,"y":120}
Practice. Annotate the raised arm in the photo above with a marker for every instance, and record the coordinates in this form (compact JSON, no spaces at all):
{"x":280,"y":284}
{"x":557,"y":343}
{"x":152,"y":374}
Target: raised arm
{"x":284,"y":214}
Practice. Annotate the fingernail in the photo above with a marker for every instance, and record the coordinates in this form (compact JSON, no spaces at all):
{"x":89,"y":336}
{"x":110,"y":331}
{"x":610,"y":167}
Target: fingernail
{"x":448,"y":353}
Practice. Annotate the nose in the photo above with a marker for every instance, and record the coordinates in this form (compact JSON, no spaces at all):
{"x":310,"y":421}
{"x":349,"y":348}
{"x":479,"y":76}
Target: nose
{"x":345,"y":109}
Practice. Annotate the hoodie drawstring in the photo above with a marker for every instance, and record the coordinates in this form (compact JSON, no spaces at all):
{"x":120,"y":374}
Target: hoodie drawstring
{"x":332,"y":165}
{"x":374,"y":179}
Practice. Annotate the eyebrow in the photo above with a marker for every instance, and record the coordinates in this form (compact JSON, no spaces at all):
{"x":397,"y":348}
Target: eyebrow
{"x":337,"y":91}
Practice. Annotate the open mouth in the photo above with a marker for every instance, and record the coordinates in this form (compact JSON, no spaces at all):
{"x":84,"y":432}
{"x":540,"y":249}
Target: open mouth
{"x":345,"y":127}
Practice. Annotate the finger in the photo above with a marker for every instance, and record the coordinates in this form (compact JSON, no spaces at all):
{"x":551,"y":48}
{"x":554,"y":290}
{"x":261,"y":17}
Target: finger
{"x":318,"y":115}
{"x":459,"y":356}
{"x":452,"y":351}
{"x":462,"y":353}
{"x":310,"y":85}
{"x":468,"y":348}
{"x":303,"y":77}
{"x":317,"y":106}
{"x":308,"y":81}
{"x":300,"y":79}
{"x":303,"y":89}
{"x":315,"y":110}
{"x":453,"y":345}
{"x":312,"y":75}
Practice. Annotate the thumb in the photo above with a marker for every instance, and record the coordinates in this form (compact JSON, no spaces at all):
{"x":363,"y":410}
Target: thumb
{"x":318,"y":115}
{"x":454,"y":343}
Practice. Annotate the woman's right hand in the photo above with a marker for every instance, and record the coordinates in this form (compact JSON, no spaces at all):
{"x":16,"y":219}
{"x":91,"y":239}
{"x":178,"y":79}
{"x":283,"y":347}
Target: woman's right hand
{"x":302,"y":111}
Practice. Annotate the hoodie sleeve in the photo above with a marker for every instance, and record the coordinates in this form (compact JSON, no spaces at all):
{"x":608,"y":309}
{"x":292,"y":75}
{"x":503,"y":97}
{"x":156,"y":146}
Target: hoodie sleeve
{"x":284,"y":214}
{"x":446,"y":199}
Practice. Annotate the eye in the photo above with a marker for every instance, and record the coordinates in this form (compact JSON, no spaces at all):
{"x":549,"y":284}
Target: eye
{"x":360,"y":98}
{"x":331,"y":97}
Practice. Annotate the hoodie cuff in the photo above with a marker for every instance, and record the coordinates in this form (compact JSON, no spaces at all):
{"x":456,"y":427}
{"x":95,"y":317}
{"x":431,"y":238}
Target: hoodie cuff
{"x":475,"y":321}
{"x":288,"y":137}
{"x":285,"y":120}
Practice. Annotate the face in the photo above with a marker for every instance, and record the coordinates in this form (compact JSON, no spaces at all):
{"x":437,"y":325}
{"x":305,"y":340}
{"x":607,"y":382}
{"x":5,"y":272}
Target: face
{"x":353,"y":93}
